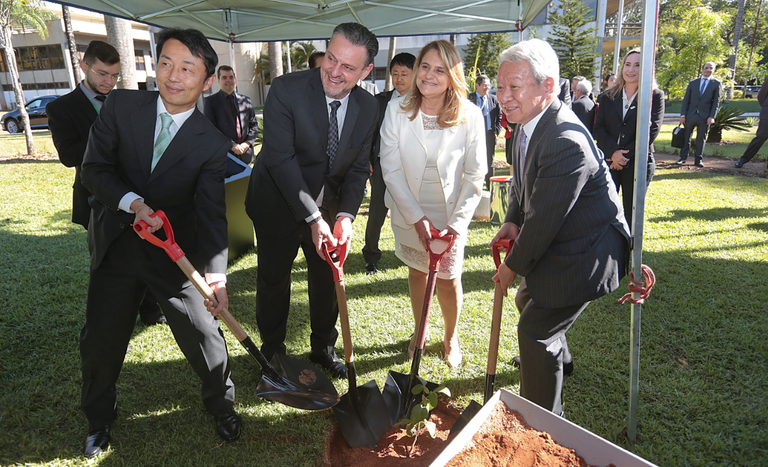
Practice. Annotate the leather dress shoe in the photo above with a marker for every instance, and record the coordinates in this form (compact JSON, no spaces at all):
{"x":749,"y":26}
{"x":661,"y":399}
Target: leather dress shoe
{"x":680,"y":162}
{"x":698,"y":163}
{"x":740,"y":163}
{"x":370,"y":269}
{"x":152,"y":316}
{"x":567,"y":367}
{"x":228,"y":425}
{"x":97,"y":441}
{"x":330,"y":363}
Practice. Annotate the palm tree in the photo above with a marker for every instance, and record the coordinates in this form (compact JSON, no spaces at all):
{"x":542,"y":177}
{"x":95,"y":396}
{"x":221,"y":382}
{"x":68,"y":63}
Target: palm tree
{"x":300,"y":52}
{"x":28,"y":14}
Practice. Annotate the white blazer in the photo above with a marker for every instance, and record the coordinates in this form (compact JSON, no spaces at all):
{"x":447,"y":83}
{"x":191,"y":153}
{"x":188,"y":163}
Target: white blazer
{"x":461,"y":163}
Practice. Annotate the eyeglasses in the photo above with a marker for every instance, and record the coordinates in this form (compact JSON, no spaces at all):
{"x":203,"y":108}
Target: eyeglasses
{"x":105,"y":75}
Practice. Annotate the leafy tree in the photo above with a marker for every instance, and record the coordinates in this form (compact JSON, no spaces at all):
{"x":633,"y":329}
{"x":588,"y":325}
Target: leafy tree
{"x":572,"y":40}
{"x":300,"y":52}
{"x":28,"y":14}
{"x":484,"y":49}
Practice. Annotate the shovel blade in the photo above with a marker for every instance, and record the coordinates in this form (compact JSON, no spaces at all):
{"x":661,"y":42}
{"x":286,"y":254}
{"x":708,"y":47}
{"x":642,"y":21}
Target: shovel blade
{"x":362,"y":415}
{"x":297,"y":384}
{"x":472,"y":409}
{"x":397,"y":394}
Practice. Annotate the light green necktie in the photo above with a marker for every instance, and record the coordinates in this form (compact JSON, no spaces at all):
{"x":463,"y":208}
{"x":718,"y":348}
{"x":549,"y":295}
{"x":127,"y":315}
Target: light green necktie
{"x":163,"y":139}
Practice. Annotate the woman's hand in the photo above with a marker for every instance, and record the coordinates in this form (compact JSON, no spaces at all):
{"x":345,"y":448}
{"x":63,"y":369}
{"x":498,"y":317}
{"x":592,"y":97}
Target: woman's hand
{"x":423,"y":230}
{"x":618,"y":160}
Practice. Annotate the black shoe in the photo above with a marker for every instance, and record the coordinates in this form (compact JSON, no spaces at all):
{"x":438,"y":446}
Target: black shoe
{"x":567,"y":367}
{"x":330,"y":363}
{"x":740,"y":163}
{"x":97,"y":441}
{"x":680,"y":162}
{"x":699,"y":163}
{"x":228,"y":425}
{"x":152,"y":316}
{"x":370,"y":269}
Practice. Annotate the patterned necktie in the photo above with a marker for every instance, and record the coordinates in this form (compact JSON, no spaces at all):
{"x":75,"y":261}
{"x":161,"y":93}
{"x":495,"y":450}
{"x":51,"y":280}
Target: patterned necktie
{"x":235,"y":116}
{"x":704,"y":82}
{"x":163,"y":139}
{"x":523,"y":142}
{"x":333,"y":134}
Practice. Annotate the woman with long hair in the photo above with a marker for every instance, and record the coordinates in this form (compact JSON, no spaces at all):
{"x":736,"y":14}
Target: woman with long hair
{"x":433,"y":158}
{"x":616,"y":128}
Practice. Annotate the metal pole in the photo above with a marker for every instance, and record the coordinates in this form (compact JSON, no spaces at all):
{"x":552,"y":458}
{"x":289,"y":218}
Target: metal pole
{"x":650,"y":19}
{"x":602,"y":6}
{"x":617,"y":46}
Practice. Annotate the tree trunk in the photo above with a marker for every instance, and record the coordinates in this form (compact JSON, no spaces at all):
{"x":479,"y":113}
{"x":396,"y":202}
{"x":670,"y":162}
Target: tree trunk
{"x":71,"y":44}
{"x":120,"y":35}
{"x":736,"y":39}
{"x":275,"y":60}
{"x":390,"y":56}
{"x":288,"y":56}
{"x":10,"y":60}
{"x":715,"y":134}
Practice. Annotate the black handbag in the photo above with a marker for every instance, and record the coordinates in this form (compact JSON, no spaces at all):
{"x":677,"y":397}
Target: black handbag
{"x":678,"y":137}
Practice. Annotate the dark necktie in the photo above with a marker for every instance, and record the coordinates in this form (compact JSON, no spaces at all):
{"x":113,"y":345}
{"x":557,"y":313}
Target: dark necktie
{"x":235,"y":114}
{"x":333,"y":134}
{"x":523,"y":142}
{"x":100,"y":97}
{"x":704,"y":82}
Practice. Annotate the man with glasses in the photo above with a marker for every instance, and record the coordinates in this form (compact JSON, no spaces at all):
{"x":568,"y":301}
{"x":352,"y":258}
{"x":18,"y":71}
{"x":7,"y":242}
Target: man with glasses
{"x":70,"y":118}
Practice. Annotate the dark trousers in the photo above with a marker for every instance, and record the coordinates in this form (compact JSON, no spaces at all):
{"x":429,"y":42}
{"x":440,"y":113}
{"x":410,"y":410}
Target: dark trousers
{"x":377,"y":214}
{"x":543,"y":349}
{"x":700,"y":123}
{"x":757,"y":142}
{"x":625,"y":183}
{"x":490,"y":143}
{"x":273,"y":290}
{"x":115,"y":290}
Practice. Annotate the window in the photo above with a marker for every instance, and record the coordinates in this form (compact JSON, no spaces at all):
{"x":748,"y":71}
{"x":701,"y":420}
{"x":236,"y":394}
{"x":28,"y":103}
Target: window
{"x":140,"y":66}
{"x":40,"y":57}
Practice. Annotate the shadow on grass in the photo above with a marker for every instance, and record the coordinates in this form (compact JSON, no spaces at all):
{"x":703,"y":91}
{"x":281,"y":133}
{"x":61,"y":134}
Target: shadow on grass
{"x":711,"y":214}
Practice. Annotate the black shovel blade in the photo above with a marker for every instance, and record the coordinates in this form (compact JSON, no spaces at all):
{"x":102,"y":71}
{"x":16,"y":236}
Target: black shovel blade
{"x":362,"y":415}
{"x":472,"y":409}
{"x":297,"y":384}
{"x":398,"y":397}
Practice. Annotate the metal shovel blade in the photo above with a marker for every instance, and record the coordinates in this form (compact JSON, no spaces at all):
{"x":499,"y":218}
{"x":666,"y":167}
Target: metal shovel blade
{"x":469,"y":412}
{"x":398,"y":397}
{"x":362,"y":416}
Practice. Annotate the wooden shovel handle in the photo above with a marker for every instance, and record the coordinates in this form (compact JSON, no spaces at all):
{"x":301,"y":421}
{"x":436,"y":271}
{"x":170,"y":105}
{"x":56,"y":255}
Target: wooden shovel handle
{"x":335,"y":256}
{"x":498,"y":306}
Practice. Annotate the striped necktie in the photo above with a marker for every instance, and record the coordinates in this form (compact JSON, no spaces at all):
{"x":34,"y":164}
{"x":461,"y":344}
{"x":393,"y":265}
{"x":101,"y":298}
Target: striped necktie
{"x":333,"y":134}
{"x":523,"y":142}
{"x":163,"y":139}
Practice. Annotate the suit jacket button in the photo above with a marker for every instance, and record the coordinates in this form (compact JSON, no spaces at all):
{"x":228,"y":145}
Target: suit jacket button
{"x":122,"y":226}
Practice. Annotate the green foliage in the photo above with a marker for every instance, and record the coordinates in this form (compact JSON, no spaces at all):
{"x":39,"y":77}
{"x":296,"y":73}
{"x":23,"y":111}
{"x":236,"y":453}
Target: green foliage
{"x":727,"y":118}
{"x":572,"y":40}
{"x":482,"y":53}
{"x":300,"y":52}
{"x":26,"y":14}
{"x":420,"y":412}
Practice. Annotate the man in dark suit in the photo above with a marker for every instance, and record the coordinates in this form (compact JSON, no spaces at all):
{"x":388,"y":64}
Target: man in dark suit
{"x":762,"y":128}
{"x":700,"y":105}
{"x":564,"y":94}
{"x":70,"y":118}
{"x":233,"y":115}
{"x":492,"y":115}
{"x":400,"y":69}
{"x":582,"y":105}
{"x":149,"y":152}
{"x":309,"y":175}
{"x":571,"y":239}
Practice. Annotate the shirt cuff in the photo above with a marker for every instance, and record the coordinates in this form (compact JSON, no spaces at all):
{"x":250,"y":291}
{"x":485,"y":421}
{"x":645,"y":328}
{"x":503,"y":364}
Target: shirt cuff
{"x":211,"y":277}
{"x":312,"y":217}
{"x":127,"y":200}
{"x":345,"y":214}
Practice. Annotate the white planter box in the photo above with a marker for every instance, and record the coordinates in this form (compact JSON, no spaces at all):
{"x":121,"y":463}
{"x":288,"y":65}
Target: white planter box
{"x":594,"y":449}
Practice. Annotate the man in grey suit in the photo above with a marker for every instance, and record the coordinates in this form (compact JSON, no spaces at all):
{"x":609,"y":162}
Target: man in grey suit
{"x":492,"y":115}
{"x":762,"y":128}
{"x":700,"y":105}
{"x":571,"y":239}
{"x":307,"y":185}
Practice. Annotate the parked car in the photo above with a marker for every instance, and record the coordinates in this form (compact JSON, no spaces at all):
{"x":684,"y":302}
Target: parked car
{"x":751,"y":92}
{"x":35,"y":110}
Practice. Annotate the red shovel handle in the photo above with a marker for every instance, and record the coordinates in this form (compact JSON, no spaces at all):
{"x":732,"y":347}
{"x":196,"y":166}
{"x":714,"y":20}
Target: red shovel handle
{"x":504,"y":244}
{"x":435,"y":257}
{"x":169,"y":245}
{"x":336,"y":255}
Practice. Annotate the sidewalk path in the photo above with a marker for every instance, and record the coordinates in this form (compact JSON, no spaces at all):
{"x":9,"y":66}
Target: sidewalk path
{"x":713,"y":164}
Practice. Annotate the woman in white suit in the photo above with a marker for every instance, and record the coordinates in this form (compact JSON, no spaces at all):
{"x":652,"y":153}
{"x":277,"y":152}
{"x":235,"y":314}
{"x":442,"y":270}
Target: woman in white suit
{"x":433,"y":158}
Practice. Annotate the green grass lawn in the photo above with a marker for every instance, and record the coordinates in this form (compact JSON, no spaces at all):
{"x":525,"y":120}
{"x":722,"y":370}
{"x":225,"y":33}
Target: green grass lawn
{"x":733,"y":145}
{"x":746,"y":105}
{"x":703,"y":384}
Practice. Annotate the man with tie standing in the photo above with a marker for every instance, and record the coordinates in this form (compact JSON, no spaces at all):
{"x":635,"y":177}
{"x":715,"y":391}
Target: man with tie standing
{"x":492,"y":115}
{"x":700,"y":105}
{"x":70,"y":118}
{"x":307,"y":185}
{"x":233,"y":114}
{"x":147,"y":152}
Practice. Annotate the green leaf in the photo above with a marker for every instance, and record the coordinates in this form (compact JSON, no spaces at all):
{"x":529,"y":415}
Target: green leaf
{"x":433,"y":400}
{"x":419,"y":413}
{"x":418,"y":389}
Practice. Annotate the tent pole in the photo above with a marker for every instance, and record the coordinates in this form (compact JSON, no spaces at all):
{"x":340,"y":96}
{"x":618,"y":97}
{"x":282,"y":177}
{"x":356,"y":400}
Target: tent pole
{"x":650,"y":19}
{"x":617,"y":45}
{"x":602,"y":6}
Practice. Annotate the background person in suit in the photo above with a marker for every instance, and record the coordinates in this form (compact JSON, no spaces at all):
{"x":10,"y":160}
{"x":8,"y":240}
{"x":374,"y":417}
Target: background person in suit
{"x":762,"y":128}
{"x":565,"y":217}
{"x":433,"y":150}
{"x":616,"y":128}
{"x":315,"y":59}
{"x":700,"y":106}
{"x":565,"y":91}
{"x":233,"y":115}
{"x":492,"y":116}
{"x":583,"y":106}
{"x":148,"y":152}
{"x":400,"y":68}
{"x":310,"y":174}
{"x":70,"y":118}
